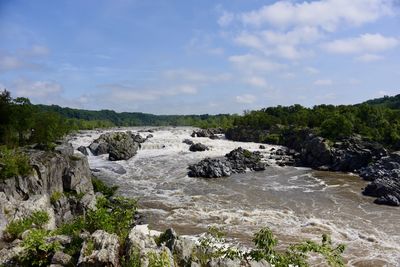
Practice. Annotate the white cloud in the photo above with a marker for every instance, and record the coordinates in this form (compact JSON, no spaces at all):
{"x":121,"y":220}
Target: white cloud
{"x":369,"y":58}
{"x":363,"y":44}
{"x":311,"y":70}
{"x":225,"y":19}
{"x":37,"y":89}
{"x":196,"y":76}
{"x":326,"y":14}
{"x":252,"y":63}
{"x":186,"y":89}
{"x":245,"y":99}
{"x":323,"y":82}
{"x":256,"y":81}
{"x":10,"y":63}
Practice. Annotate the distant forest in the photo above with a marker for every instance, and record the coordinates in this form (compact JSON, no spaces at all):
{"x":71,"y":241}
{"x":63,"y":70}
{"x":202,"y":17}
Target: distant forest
{"x":142,"y":119}
{"x":379,"y":120}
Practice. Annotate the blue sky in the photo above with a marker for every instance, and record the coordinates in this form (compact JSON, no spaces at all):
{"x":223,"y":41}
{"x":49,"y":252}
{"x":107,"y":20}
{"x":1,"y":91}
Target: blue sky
{"x":193,"y":57}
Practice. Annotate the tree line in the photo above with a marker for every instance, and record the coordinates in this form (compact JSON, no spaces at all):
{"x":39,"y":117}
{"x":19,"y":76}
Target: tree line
{"x":376,"y":120}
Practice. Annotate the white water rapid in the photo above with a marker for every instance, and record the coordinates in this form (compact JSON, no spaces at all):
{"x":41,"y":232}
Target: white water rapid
{"x":296,"y":203}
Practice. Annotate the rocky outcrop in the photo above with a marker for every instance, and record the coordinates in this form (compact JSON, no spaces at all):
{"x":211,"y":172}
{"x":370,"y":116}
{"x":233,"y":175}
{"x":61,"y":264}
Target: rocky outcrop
{"x":237,"y":161}
{"x":83,"y":150}
{"x":384,"y":175}
{"x":58,"y":172}
{"x":101,"y":249}
{"x":210,"y":133}
{"x":119,"y":145}
{"x":198,"y":147}
{"x":348,"y":155}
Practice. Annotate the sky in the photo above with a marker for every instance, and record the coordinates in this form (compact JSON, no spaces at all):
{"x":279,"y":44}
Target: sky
{"x":197,"y":57}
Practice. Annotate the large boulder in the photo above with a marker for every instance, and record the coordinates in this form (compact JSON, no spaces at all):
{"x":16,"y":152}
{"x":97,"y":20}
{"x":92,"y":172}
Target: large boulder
{"x":119,"y":145}
{"x":101,"y":249}
{"x":237,"y":161}
{"x":198,"y":147}
{"x":210,"y":133}
{"x":210,"y":168}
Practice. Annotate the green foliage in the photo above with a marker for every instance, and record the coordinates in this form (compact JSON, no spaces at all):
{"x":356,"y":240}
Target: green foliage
{"x":133,"y":259}
{"x":336,"y":127}
{"x":73,"y":229}
{"x":56,"y":196}
{"x":158,"y":260}
{"x":374,"y":122}
{"x":296,"y":255}
{"x":15,"y":228}
{"x":13,"y":163}
{"x":113,"y":216}
{"x":271,"y":139}
{"x":38,"y":251}
{"x":89,"y":247}
{"x":100,"y":186}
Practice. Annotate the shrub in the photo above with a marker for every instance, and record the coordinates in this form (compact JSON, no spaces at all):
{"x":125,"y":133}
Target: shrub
{"x":13,"y":163}
{"x":38,"y":251}
{"x":158,"y":260}
{"x":271,"y":139}
{"x":100,"y":186}
{"x":56,"y":196}
{"x":113,"y":216}
{"x":15,"y":228}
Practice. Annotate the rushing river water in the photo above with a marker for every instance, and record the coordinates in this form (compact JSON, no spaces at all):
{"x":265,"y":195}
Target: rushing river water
{"x":296,"y":203}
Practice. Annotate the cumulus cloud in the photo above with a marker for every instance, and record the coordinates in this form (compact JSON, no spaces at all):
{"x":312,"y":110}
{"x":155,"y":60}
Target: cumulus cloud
{"x":226,"y":18}
{"x":326,"y":14}
{"x":37,"y":89}
{"x":245,"y":99}
{"x":363,"y":44}
{"x":256,"y":81}
{"x":23,"y":59}
{"x":311,"y":70}
{"x":369,"y":58}
{"x":323,"y":82}
{"x":252,"y":63}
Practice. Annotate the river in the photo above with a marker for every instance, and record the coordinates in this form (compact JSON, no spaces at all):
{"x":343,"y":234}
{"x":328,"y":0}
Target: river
{"x":295,"y":203}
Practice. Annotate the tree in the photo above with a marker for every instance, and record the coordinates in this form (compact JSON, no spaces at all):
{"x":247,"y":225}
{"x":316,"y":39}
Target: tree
{"x":336,"y":127}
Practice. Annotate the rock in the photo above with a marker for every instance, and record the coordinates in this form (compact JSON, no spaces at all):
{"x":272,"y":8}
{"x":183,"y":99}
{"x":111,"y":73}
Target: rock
{"x":198,"y":147}
{"x":149,"y":136}
{"x":62,"y":239}
{"x":140,"y":244}
{"x":188,"y":142}
{"x":210,"y":133}
{"x":53,"y":172}
{"x":8,"y":255}
{"x":384,"y":175}
{"x":119,"y":145}
{"x":223,"y":263}
{"x":237,"y":161}
{"x":210,"y":168}
{"x":102,"y":249}
{"x":261,"y":147}
{"x":61,"y":258}
{"x":242,"y":159}
{"x":83,"y":150}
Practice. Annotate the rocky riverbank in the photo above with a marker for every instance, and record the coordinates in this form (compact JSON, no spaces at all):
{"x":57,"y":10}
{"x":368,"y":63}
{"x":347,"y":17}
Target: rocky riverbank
{"x":354,"y":154}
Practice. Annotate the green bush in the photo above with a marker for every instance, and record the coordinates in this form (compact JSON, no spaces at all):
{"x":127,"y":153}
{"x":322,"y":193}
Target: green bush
{"x":38,"y":251}
{"x":100,"y":186}
{"x":113,"y":216}
{"x":56,"y":196}
{"x":271,"y":139}
{"x":13,"y":163}
{"x":15,"y":228}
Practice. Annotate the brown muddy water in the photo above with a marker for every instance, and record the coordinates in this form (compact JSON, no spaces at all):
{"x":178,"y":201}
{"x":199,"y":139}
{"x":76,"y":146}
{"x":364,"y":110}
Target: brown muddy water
{"x":295,"y":203}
